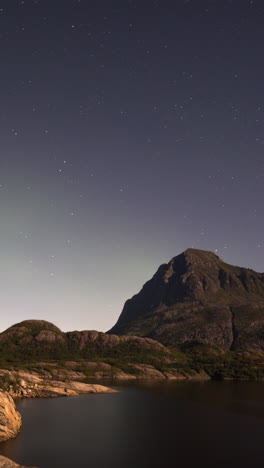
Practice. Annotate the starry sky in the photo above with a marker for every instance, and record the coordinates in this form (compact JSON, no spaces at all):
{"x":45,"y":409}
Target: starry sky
{"x":130,"y":131}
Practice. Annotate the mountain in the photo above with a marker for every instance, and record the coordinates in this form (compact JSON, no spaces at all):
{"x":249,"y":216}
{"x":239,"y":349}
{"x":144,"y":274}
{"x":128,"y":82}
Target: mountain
{"x":197,"y":296}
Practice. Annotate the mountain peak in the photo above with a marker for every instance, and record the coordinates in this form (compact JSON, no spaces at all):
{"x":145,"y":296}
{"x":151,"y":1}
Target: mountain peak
{"x":196,"y":295}
{"x":199,"y":253}
{"x":193,"y":251}
{"x":198,"y":257}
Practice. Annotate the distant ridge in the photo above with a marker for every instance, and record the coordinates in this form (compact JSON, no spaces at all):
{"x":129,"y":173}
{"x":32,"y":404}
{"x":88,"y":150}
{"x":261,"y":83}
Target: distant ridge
{"x":198,"y":296}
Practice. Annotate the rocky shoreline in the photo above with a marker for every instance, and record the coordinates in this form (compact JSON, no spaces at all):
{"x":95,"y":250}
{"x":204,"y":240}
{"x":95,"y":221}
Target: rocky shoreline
{"x":85,"y":370}
{"x":48,"y":380}
{"x":27,"y":385}
{"x":22,"y":384}
{"x":10,"y":425}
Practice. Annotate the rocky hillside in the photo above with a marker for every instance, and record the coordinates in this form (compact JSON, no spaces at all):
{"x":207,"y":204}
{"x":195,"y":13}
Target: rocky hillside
{"x":37,"y":339}
{"x":196,"y":296}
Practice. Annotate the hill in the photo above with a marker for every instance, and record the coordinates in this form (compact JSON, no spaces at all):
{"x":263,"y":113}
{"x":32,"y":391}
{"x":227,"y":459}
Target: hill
{"x":31,"y":340}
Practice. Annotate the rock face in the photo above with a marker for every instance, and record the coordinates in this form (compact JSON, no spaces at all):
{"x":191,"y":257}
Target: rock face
{"x":10,"y":419}
{"x":198,"y":296}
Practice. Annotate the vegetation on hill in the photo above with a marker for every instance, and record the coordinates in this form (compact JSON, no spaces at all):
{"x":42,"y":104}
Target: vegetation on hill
{"x":42,"y":347}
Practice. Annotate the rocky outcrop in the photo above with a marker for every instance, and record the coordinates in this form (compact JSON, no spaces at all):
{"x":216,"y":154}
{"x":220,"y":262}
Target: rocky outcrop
{"x":84,"y":339}
{"x":6,"y":463}
{"x":198,"y":296}
{"x":10,"y":419}
{"x":21,"y":384}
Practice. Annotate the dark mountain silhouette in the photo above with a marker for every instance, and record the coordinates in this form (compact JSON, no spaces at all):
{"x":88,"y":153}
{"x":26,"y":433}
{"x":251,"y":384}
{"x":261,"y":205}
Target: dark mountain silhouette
{"x":197,"y":296}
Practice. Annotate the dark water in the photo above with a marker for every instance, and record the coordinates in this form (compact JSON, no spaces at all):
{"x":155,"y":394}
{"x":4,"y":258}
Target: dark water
{"x":154,"y":425}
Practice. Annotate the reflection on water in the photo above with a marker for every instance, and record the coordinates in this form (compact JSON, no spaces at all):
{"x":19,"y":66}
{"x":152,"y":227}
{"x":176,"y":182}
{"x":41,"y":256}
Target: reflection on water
{"x":168,"y":424}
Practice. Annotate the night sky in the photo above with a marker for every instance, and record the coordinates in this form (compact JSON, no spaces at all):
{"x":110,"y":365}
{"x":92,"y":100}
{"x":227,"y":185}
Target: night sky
{"x":130,"y":131}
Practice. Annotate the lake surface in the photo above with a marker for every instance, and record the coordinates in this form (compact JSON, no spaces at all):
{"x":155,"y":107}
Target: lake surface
{"x":170,"y":424}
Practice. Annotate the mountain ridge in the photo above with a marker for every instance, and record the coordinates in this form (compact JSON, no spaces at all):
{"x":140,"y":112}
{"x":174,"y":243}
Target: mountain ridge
{"x":197,"y":316}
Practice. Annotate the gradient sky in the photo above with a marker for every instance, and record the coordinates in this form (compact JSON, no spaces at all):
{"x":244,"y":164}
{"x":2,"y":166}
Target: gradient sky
{"x":130,"y":131}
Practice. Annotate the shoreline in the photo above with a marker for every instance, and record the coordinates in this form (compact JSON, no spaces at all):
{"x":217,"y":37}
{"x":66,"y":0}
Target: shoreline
{"x":22,"y":384}
{"x":25,"y":385}
{"x":32,"y":386}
